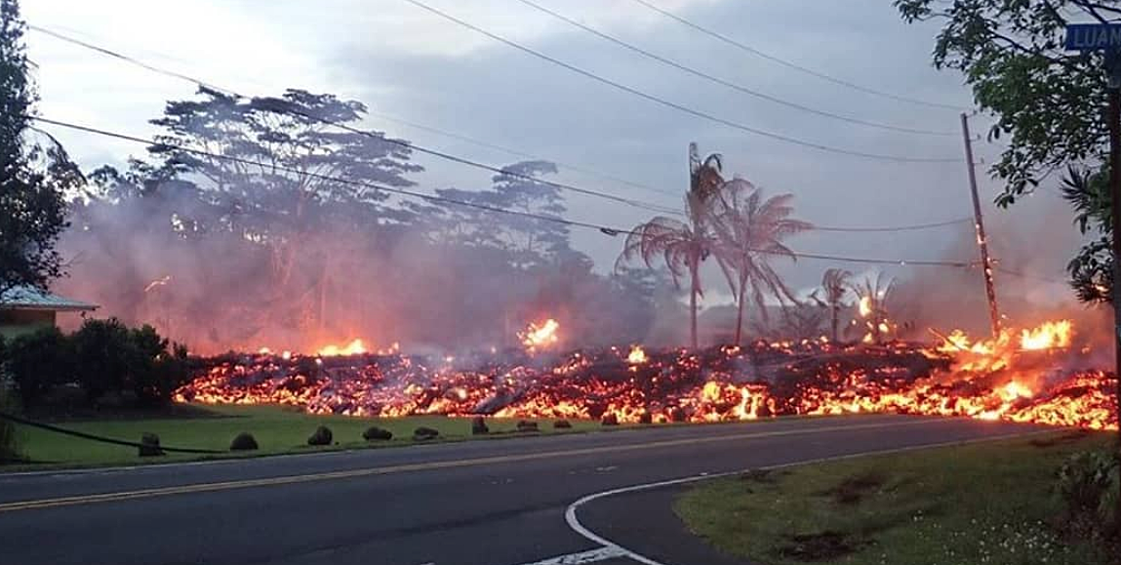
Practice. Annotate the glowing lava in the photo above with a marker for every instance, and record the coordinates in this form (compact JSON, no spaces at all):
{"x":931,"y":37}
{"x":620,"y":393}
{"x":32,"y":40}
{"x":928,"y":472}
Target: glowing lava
{"x":1019,"y":379}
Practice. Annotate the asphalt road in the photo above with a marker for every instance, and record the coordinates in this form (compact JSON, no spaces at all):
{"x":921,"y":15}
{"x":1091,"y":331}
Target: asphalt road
{"x":500,"y":502}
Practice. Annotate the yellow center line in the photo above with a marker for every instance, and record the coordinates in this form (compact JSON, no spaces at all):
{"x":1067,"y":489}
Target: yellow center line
{"x":429,"y":466}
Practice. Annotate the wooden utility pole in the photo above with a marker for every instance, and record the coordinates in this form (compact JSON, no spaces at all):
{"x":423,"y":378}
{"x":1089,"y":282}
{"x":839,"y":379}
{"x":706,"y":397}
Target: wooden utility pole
{"x":979,"y":225}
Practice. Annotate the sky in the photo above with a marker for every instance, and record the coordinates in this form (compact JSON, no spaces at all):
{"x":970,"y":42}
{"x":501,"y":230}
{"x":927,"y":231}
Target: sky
{"x":409,"y":64}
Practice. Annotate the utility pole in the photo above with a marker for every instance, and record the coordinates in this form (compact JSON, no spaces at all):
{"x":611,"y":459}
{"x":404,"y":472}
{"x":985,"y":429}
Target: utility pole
{"x":979,"y":225}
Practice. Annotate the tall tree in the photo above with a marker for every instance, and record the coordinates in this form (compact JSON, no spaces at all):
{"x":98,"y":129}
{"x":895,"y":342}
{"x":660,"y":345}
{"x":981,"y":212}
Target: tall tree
{"x":33,"y":175}
{"x":750,"y":230}
{"x":306,"y":172}
{"x":682,"y":246}
{"x":531,"y":239}
{"x":1050,"y":103}
{"x":297,"y":183}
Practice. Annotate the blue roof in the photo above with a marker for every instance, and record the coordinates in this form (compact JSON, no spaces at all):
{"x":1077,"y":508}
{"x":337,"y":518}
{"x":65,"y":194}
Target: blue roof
{"x":30,"y":298}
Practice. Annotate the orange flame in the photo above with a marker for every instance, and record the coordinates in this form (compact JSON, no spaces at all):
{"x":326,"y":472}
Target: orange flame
{"x":356,"y":347}
{"x":539,"y":337}
{"x":637,"y":356}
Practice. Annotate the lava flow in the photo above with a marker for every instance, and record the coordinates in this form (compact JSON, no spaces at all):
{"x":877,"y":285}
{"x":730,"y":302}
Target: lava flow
{"x":1024,"y":376}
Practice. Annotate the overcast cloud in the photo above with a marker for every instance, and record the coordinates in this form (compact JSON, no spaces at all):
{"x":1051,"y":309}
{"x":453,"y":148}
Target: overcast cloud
{"x":410,"y":64}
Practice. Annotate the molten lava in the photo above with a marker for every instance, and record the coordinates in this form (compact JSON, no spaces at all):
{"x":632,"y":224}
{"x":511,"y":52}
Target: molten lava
{"x":1018,"y":376}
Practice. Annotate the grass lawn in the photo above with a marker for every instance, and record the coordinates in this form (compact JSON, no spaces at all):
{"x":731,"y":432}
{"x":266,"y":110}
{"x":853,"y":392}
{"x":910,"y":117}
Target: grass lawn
{"x":276,"y":429}
{"x":988,"y":503}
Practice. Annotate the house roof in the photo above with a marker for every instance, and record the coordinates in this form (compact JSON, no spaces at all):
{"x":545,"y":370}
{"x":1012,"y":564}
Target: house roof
{"x":30,"y":298}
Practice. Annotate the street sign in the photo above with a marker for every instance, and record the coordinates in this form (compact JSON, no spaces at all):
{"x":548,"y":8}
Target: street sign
{"x":1093,"y":37}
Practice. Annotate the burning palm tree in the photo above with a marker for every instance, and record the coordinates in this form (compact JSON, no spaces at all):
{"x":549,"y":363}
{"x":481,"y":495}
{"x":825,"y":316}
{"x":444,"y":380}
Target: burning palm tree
{"x":751,"y":231}
{"x":873,"y":294}
{"x":835,"y":283}
{"x":682,"y":245}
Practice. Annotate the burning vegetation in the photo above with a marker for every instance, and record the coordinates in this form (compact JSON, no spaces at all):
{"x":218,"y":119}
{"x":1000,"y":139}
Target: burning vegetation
{"x":1025,"y":376}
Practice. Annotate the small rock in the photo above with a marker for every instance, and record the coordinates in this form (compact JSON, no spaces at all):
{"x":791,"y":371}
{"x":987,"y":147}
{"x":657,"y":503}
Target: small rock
{"x":150,"y":445}
{"x":374,"y":433}
{"x":322,"y":436}
{"x":562,"y":425}
{"x":424,"y":434}
{"x":527,"y":426}
{"x":243,"y":442}
{"x":479,"y":426}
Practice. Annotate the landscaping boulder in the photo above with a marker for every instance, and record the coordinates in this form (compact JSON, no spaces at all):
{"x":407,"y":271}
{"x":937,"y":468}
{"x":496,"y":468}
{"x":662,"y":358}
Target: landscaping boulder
{"x":527,"y":426}
{"x":150,"y":445}
{"x":243,"y":442}
{"x":610,"y":419}
{"x":424,"y":434}
{"x":562,"y":425}
{"x":374,"y":433}
{"x":322,"y":436}
{"x":479,"y":426}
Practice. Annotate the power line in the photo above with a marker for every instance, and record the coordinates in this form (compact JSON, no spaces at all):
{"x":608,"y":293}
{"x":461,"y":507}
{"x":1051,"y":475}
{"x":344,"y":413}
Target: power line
{"x":604,"y":229}
{"x":915,"y":227}
{"x":788,"y":64}
{"x":674,"y":105}
{"x":522,"y":154}
{"x":727,"y":83}
{"x":400,"y":143}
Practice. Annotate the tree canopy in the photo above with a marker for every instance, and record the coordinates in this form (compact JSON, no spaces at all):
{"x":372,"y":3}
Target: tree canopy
{"x":34,"y":174}
{"x":1050,"y":104}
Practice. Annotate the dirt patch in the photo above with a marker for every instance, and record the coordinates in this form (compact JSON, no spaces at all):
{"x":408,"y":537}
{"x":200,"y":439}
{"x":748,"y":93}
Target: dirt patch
{"x":824,"y":546}
{"x":1052,"y":441}
{"x":853,"y":489}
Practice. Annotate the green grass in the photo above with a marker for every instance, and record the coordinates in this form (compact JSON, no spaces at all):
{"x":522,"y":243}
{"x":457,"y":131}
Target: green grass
{"x":277,"y":430}
{"x":985,"y":503}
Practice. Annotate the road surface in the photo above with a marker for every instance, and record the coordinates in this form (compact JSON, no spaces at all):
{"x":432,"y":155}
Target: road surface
{"x":502,"y":502}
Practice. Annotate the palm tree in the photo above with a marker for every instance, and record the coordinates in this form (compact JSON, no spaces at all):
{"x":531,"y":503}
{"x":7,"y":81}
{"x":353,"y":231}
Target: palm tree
{"x":751,"y":231}
{"x":835,"y":282}
{"x":682,"y":245}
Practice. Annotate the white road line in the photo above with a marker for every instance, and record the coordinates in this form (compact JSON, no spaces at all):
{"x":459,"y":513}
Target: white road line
{"x":574,"y":522}
{"x":590,"y":556}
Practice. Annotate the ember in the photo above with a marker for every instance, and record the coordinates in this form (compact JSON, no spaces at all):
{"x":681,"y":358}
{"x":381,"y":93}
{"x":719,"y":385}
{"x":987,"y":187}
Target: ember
{"x":1002,"y":379}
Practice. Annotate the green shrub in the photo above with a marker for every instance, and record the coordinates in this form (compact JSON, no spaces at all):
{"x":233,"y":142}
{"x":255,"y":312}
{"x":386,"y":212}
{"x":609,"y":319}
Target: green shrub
{"x":243,"y":442}
{"x":104,"y":355}
{"x":1088,"y":486}
{"x":321,"y":436}
{"x":39,"y":361}
{"x":374,"y":433}
{"x":609,"y":419}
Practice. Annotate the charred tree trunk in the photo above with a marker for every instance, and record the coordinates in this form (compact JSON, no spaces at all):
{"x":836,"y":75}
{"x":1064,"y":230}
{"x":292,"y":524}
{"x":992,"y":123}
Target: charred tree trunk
{"x":695,"y":288}
{"x":739,"y":319}
{"x":835,"y":321}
